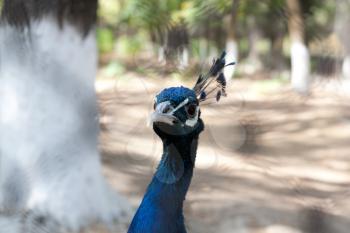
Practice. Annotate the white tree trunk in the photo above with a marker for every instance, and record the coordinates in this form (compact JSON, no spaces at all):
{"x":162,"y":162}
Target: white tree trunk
{"x":342,"y":28}
{"x":254,"y":36}
{"x":161,"y":56}
{"x":203,"y":47}
{"x":300,"y":75}
{"x":49,"y":160}
{"x":232,"y":56}
{"x":346,"y":68}
{"x":300,"y":58}
{"x":213,"y":53}
{"x":184,"y":58}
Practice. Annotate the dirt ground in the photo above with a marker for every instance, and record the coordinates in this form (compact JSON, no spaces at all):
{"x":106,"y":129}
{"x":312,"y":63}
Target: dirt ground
{"x":269,"y":161}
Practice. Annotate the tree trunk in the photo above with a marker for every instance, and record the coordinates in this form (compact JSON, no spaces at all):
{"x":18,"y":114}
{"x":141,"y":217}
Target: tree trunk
{"x":254,"y":63}
{"x":346,"y":67}
{"x":231,"y":43}
{"x":161,"y":53}
{"x":50,"y":170}
{"x":184,"y":57}
{"x":157,"y":38}
{"x":277,"y":51}
{"x":177,"y":45}
{"x":203,"y":49}
{"x":300,"y":57}
{"x":343,"y":30}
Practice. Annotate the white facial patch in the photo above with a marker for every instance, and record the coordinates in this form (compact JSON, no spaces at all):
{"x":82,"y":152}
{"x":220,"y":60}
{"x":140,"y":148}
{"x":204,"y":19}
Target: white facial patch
{"x":164,"y":112}
{"x":193,"y":121}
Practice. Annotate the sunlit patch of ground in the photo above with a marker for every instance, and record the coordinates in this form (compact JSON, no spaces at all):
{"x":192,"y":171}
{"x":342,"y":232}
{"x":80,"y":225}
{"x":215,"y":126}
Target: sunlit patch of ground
{"x":269,"y":161}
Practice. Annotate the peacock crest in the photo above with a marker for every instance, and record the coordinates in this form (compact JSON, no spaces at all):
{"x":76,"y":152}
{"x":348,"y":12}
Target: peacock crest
{"x":181,"y":104}
{"x":212,"y":85}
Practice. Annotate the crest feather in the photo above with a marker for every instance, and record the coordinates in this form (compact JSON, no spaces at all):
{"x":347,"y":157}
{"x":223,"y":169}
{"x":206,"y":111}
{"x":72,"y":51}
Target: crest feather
{"x":213,"y":84}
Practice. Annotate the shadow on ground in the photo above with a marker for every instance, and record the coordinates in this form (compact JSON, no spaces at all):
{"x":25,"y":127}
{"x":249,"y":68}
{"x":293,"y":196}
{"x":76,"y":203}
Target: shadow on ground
{"x":274,"y":162}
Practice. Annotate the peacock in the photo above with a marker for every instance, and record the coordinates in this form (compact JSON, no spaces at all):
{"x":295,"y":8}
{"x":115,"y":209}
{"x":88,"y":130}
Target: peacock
{"x":176,"y":120}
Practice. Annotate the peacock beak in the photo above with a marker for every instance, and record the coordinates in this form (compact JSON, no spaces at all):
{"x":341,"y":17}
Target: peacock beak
{"x":163,"y":113}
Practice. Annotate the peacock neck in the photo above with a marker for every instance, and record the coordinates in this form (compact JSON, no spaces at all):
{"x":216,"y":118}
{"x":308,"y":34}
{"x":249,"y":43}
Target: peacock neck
{"x":161,"y":209}
{"x":176,"y":166}
{"x":174,"y":172}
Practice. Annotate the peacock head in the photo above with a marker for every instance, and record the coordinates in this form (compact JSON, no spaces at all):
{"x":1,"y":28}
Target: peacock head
{"x":176,"y":112}
{"x":177,"y":109}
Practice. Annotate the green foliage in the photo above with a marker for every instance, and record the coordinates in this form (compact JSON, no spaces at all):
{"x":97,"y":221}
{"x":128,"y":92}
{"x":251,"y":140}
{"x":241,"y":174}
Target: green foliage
{"x":195,"y":47}
{"x":130,"y":45}
{"x":146,"y":13}
{"x":133,"y":26}
{"x":105,"y":40}
{"x":319,"y":18}
{"x":112,"y":69}
{"x":243,"y":47}
{"x":108,"y":11}
{"x":212,"y":7}
{"x":155,"y":14}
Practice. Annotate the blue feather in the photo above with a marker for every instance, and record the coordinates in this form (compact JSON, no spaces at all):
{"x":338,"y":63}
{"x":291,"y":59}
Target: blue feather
{"x":175,"y":94}
{"x":161,"y":210}
{"x":202,"y":96}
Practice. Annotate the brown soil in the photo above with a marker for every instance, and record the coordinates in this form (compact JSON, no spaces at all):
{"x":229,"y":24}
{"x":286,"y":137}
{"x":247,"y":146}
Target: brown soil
{"x":269,"y":161}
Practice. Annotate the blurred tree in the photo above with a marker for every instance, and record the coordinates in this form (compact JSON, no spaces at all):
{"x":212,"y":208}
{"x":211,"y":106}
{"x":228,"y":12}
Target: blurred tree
{"x":256,"y":27}
{"x":216,"y":21}
{"x":318,"y":18}
{"x":343,"y":30}
{"x":274,"y":14}
{"x":165,"y":22}
{"x":252,"y":30}
{"x":48,"y":65}
{"x":206,"y":22}
{"x":237,"y":22}
{"x":108,"y":12}
{"x":300,"y":58}
{"x":231,"y":41}
{"x":105,"y":39}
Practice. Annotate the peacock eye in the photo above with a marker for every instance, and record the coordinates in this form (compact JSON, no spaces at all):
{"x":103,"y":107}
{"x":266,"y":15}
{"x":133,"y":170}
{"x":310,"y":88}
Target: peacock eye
{"x":154,"y":106}
{"x":191,"y":110}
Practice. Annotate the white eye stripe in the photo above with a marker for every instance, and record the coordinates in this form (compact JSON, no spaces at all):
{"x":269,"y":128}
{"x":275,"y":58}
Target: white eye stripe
{"x":180,"y":105}
{"x":166,"y":105}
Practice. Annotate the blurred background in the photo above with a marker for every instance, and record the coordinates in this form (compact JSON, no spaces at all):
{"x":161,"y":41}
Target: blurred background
{"x":275,"y":153}
{"x":184,"y":35}
{"x":274,"y":156}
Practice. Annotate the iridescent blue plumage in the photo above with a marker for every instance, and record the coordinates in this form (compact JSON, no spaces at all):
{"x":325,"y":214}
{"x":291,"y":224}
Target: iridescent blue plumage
{"x":175,"y":94}
{"x":162,"y":205}
{"x":161,"y":210}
